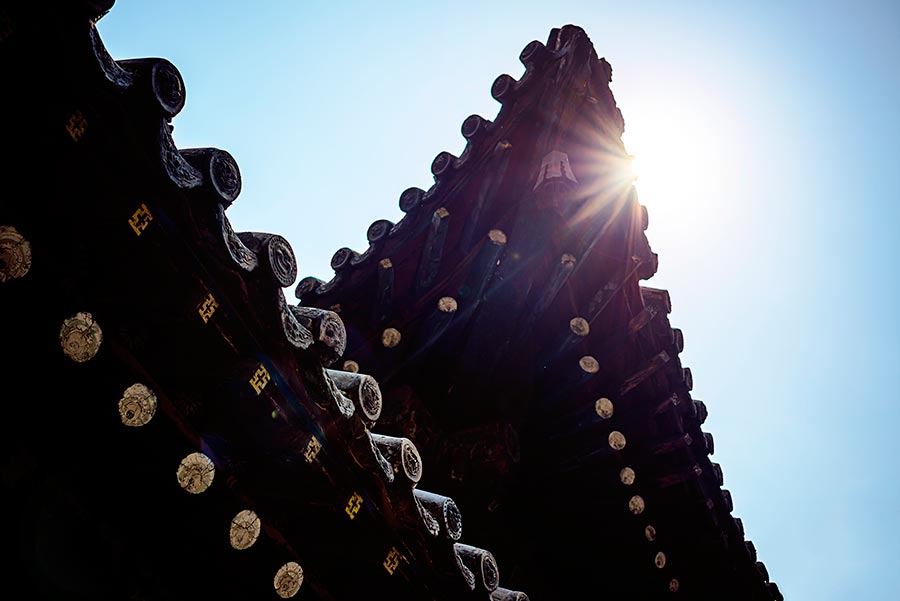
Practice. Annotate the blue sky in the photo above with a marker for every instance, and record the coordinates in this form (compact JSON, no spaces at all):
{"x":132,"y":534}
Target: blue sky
{"x":766,"y":137}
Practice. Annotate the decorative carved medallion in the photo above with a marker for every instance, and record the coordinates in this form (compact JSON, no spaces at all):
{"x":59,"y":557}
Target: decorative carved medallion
{"x":244,"y":531}
{"x":370,"y":398}
{"x":288,"y":579}
{"x":195,"y":473}
{"x":390,"y":337}
{"x":452,"y":519}
{"x":579,"y":326}
{"x":137,"y":405}
{"x":636,"y":505}
{"x":616,"y":440}
{"x":604,"y":407}
{"x":412,"y":461}
{"x":80,"y":337}
{"x":15,"y":254}
{"x":447,"y":304}
{"x":589,"y":365}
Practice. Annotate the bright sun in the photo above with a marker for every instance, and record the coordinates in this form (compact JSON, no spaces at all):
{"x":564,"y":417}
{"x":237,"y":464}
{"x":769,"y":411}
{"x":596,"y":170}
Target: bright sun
{"x":678,"y":157}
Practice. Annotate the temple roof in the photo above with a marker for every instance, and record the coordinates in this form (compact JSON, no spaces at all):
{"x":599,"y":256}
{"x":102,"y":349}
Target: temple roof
{"x":505,"y":318}
{"x":179,"y":429}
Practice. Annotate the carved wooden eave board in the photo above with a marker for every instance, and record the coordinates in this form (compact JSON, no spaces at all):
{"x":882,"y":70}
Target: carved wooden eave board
{"x":175,"y":428}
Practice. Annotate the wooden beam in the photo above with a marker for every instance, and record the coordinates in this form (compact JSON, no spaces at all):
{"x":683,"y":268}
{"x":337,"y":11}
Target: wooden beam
{"x":727,"y":500}
{"x":384,"y":292}
{"x":700,"y":411}
{"x":679,"y":339}
{"x":484,"y":267}
{"x":551,"y":288}
{"x":488,"y":448}
{"x":432,"y":251}
{"x":763,"y":572}
{"x":437,"y":322}
{"x":657,"y":298}
{"x":681,"y":441}
{"x":688,"y":378}
{"x":678,"y":477}
{"x":587,"y":456}
{"x":648,"y":265}
{"x":718,"y":475}
{"x":430,"y":330}
{"x":565,"y":341}
{"x":601,"y":299}
{"x":774,"y":592}
{"x":645,"y":372}
{"x":501,"y":318}
{"x":640,"y":320}
{"x":494,"y":173}
{"x":670,"y":401}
